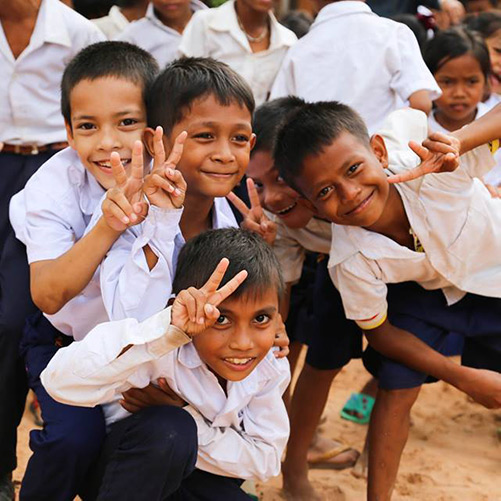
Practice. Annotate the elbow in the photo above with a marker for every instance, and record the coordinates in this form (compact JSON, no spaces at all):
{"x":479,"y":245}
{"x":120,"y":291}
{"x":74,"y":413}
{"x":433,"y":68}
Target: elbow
{"x":48,"y":303}
{"x":421,"y":101}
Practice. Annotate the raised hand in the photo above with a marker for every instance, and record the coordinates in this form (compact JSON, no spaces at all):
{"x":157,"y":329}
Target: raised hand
{"x":254,"y":217}
{"x":195,"y":310}
{"x":165,"y":186}
{"x":124,"y":205}
{"x":438,"y":153}
{"x":136,"y":399}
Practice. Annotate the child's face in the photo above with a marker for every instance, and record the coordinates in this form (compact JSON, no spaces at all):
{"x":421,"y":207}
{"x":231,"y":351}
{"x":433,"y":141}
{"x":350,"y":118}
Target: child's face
{"x":274,"y":194}
{"x":241,"y":337}
{"x":494,"y":45}
{"x":170,"y":11}
{"x":258,"y":5}
{"x":346,"y":182}
{"x":217,"y":149}
{"x":462,"y":83}
{"x":107,"y":115}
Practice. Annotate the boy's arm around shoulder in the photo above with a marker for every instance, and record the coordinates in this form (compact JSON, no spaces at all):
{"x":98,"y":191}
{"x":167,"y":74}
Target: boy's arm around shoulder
{"x":112,"y":358}
{"x":254,"y":451}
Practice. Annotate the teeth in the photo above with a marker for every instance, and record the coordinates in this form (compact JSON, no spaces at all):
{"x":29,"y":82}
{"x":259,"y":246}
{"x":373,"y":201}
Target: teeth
{"x":107,"y":163}
{"x":287,"y":209}
{"x":238,"y":361}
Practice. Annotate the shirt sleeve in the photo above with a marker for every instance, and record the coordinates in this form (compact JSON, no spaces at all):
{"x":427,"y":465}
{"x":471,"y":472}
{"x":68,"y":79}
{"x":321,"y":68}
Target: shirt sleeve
{"x":290,"y":254}
{"x":91,"y":372}
{"x":129,"y":288}
{"x":194,"y":40}
{"x":363,"y":292}
{"x":256,"y":452}
{"x":411,"y":73}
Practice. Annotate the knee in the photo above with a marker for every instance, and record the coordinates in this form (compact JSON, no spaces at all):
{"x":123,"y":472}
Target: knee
{"x":400,"y":400}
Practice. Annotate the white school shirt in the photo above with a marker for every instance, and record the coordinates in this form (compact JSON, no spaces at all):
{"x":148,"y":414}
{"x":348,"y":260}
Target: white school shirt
{"x":353,"y":56}
{"x":455,"y":219}
{"x":113,"y":24}
{"x":49,"y":215}
{"x":216,"y":33}
{"x":492,"y":177}
{"x":128,"y":286}
{"x":242,"y":434}
{"x":155,"y":37}
{"x":30,"y":110}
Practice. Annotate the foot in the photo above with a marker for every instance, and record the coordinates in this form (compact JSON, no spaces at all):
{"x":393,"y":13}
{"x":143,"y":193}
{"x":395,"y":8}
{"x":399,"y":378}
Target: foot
{"x":6,"y":488}
{"x":360,"y":469}
{"x":297,"y":487}
{"x":327,"y":453}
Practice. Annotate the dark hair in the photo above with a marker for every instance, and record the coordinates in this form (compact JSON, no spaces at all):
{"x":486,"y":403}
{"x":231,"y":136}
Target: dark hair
{"x":268,"y":119}
{"x":485,"y":23}
{"x":413,"y":23}
{"x":309,"y":130}
{"x":298,"y":21}
{"x":190,"y":78}
{"x":456,"y":42}
{"x":107,"y":59}
{"x":245,"y":250}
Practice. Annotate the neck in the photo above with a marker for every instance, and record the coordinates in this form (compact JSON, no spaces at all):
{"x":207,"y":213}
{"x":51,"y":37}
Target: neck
{"x":252,"y":20}
{"x":135,"y":12}
{"x":196,"y":216}
{"x":18,"y":10}
{"x":176,"y":24}
{"x":451,"y":124}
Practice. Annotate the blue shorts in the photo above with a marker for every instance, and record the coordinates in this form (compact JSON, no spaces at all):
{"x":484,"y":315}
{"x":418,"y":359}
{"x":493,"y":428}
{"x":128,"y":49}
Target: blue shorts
{"x":426,"y":314}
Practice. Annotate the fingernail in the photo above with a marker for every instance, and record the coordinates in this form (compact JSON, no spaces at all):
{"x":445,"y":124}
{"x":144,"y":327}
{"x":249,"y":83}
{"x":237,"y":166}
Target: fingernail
{"x":201,"y":321}
{"x":177,"y":192}
{"x":133,"y":217}
{"x":209,"y":308}
{"x":170,"y":172}
{"x":125,"y":220}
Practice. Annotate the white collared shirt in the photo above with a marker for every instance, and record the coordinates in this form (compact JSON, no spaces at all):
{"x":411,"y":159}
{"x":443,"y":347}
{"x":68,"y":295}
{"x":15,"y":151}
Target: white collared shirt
{"x":113,"y":24}
{"x":128,"y":286}
{"x":242,"y":434}
{"x":455,"y":219}
{"x":30,"y":110}
{"x":49,"y":215}
{"x":353,"y":56}
{"x":216,"y":33}
{"x":152,"y":35}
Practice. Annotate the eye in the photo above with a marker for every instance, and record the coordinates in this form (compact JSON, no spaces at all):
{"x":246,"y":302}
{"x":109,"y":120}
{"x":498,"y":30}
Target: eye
{"x":262,"y":319}
{"x":204,"y":135}
{"x":324,"y":192}
{"x":128,"y":121}
{"x":353,"y":168}
{"x":473,"y":81}
{"x":258,"y":184}
{"x":222,"y":320}
{"x":241,"y":138}
{"x":86,"y":126}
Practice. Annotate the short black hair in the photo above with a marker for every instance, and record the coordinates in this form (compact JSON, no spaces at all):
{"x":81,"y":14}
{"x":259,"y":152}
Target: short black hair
{"x":268,"y":120}
{"x":485,"y":23}
{"x":107,"y":59}
{"x":310,"y":129}
{"x":456,"y":42}
{"x":413,"y":23}
{"x":190,"y":78}
{"x":245,"y":250}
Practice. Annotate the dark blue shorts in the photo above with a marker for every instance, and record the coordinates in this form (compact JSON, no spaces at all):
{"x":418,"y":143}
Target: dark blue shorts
{"x":426,"y":315}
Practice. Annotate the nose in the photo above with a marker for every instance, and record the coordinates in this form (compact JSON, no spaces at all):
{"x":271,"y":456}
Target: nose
{"x":223,"y":152}
{"x":459,"y":90}
{"x":241,"y":339}
{"x":109,"y":139}
{"x":348,"y":190}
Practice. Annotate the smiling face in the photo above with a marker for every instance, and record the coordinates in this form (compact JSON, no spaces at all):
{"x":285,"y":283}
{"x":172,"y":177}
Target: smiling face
{"x":346,"y":182}
{"x":274,"y":194}
{"x":494,"y":46}
{"x":217,"y":149}
{"x":242,"y":335}
{"x":107,"y":115}
{"x":463,"y":84}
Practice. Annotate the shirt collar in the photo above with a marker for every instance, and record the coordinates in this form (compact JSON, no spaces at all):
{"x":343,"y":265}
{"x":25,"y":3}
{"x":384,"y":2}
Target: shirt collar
{"x":339,"y":9}
{"x":117,"y":17}
{"x":51,"y":25}
{"x":150,"y":14}
{"x":222,"y":215}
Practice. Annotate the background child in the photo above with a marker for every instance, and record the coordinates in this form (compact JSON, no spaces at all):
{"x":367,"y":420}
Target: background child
{"x":213,"y":347}
{"x":159,"y":31}
{"x":103,"y":106}
{"x":121,"y":14}
{"x":246,"y":36}
{"x":459,"y":61}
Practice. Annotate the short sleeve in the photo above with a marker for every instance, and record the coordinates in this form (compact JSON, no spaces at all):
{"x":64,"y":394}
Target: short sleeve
{"x":194,"y":39}
{"x":290,"y":255}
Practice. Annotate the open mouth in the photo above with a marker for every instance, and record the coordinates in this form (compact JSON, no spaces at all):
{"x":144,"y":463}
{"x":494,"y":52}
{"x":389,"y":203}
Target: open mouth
{"x":361,"y":206}
{"x":285,"y":211}
{"x":106,"y":164}
{"x":239,"y":364}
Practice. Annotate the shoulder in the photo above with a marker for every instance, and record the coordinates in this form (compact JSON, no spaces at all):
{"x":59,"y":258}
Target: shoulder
{"x":130,"y":33}
{"x":77,"y":24}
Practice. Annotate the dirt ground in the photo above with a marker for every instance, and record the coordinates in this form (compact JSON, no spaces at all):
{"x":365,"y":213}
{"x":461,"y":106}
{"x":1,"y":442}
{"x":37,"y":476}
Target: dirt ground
{"x":453,"y":452}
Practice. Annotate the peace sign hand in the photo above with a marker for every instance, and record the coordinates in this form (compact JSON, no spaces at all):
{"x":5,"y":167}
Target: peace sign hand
{"x":124,"y":205}
{"x":438,"y":153}
{"x":195,"y":310}
{"x":254,"y":217}
{"x":165,"y":186}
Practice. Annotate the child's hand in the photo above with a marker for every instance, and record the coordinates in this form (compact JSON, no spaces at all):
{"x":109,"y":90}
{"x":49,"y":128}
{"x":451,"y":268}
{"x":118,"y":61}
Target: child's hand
{"x":484,"y":387}
{"x":495,"y":191}
{"x":281,"y":339}
{"x":165,"y":186}
{"x":195,"y":310}
{"x":438,"y":153}
{"x":124,"y":205}
{"x":254,"y":218}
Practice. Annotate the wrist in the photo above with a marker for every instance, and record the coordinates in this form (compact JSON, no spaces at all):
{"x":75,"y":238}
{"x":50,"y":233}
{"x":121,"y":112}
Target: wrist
{"x":106,"y":231}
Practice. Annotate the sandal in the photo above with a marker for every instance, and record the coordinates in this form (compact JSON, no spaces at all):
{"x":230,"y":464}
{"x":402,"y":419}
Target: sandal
{"x":358,"y":408}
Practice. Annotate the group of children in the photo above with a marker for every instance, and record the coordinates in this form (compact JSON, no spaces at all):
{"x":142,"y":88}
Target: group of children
{"x":157,"y":353}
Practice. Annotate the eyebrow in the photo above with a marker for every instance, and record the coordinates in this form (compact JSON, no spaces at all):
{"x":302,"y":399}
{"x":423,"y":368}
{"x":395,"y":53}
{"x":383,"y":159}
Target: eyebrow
{"x":119,"y":114}
{"x":240,"y":125}
{"x":267,"y":310}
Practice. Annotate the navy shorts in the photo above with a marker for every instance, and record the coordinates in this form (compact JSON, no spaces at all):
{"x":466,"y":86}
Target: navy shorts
{"x":426,"y":314}
{"x":320,"y":322}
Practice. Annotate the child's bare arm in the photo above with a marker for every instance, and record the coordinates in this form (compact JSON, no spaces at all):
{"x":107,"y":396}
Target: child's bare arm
{"x":420,"y":100}
{"x":402,"y":346}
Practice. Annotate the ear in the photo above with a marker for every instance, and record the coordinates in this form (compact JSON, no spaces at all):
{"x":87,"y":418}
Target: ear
{"x":69,"y":134}
{"x":379,"y":149}
{"x":148,"y":135}
{"x":252,"y":141}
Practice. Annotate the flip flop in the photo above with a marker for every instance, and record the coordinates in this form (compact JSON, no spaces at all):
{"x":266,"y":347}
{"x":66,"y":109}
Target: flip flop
{"x":323,"y":463}
{"x":358,"y":408}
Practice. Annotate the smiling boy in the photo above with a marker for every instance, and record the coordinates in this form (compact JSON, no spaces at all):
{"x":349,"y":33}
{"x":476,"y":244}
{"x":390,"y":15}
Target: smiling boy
{"x":213,"y":347}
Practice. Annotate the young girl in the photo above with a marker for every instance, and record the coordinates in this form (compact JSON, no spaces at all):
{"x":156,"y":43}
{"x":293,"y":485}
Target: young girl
{"x":459,"y":60}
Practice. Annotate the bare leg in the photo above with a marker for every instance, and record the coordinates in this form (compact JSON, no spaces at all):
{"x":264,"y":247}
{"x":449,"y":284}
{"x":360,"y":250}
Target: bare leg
{"x":388,"y":432}
{"x":293,"y":357}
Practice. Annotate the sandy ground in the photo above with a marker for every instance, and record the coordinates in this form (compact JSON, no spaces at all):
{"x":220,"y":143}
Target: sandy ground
{"x":453,"y":453}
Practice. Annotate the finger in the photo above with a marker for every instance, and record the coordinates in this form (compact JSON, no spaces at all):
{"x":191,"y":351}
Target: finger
{"x":111,"y":210}
{"x":177,"y":178}
{"x":408,"y":175}
{"x":492,"y":190}
{"x":160,"y":182}
{"x":211,"y":312}
{"x":164,"y":386}
{"x":130,"y":407}
{"x":254,"y":198}
{"x":136,"y":168}
{"x":251,"y":225}
{"x":419,"y":150}
{"x":120,"y":200}
{"x":282,"y":352}
{"x":117,"y":169}
{"x":217,"y":275}
{"x":450,"y":162}
{"x":228,"y":289}
{"x":200,"y":300}
{"x":191,"y":307}
{"x":158,"y":148}
{"x":177,"y":150}
{"x":238,"y":203}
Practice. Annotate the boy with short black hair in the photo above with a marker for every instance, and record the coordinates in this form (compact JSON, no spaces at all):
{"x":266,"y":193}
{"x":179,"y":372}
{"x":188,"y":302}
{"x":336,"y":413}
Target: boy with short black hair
{"x":423,"y":230}
{"x":213,"y":346}
{"x":103,"y":105}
